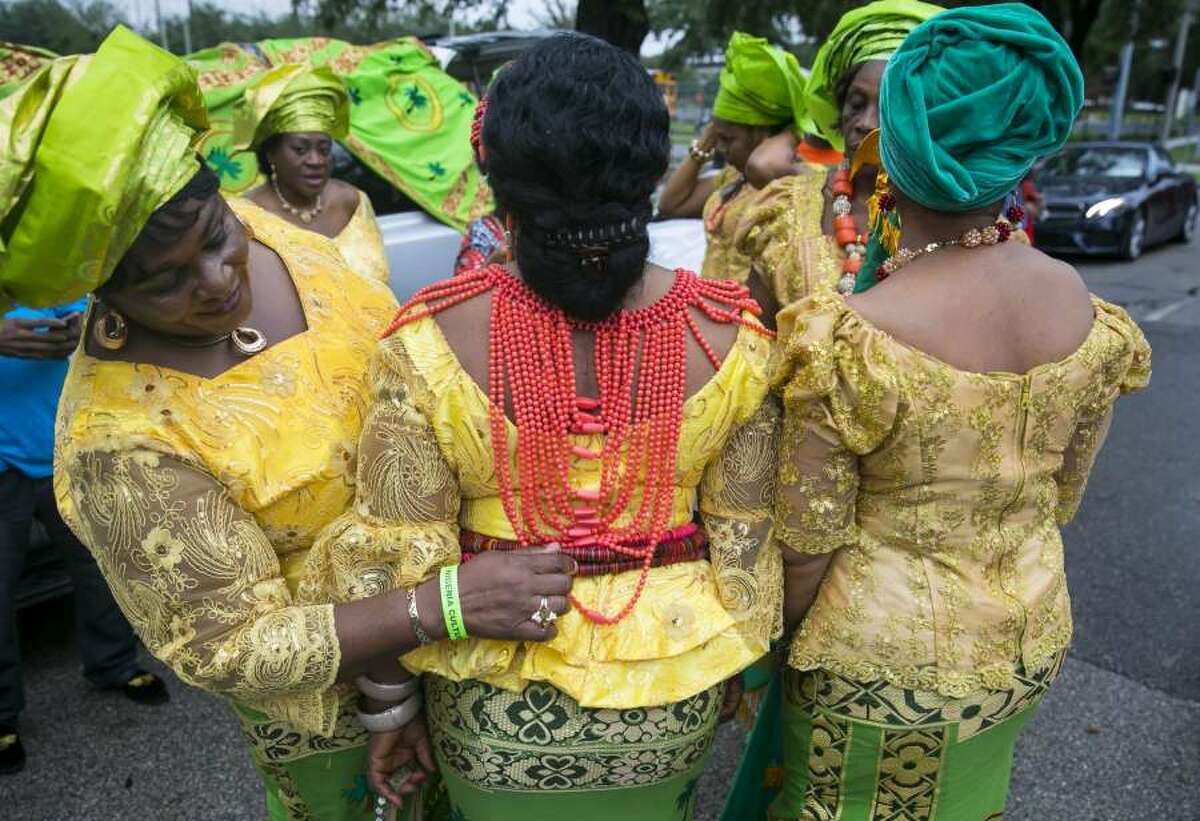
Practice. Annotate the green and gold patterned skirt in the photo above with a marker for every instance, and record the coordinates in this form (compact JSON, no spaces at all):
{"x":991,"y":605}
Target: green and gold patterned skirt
{"x":538,"y":756}
{"x":309,"y":777}
{"x":867,"y":752}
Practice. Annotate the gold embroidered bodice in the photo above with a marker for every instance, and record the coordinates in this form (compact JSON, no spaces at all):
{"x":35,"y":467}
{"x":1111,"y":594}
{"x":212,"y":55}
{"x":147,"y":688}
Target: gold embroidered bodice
{"x":426,"y":469}
{"x":200,"y":497}
{"x":781,"y":232}
{"x":942,"y":493}
{"x":361,"y":243}
{"x":722,"y":213}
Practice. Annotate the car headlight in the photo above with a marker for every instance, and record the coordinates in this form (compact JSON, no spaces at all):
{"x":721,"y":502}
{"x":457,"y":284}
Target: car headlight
{"x":1105,"y":207}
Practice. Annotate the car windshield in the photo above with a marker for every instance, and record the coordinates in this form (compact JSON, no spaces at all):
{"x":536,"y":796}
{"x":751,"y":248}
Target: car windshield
{"x":1128,"y":163}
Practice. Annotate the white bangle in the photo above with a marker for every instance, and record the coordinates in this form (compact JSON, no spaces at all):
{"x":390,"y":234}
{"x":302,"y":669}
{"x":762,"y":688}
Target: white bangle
{"x":387,"y":693}
{"x":393,"y":718}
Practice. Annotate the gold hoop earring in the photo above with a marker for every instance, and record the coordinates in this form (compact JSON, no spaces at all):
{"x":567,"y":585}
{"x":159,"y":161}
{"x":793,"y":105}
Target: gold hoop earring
{"x":110,"y":330}
{"x":248,"y":341}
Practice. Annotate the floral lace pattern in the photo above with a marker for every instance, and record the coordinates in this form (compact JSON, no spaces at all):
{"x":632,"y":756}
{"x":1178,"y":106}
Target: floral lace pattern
{"x":201,"y":497}
{"x":781,"y":231}
{"x":940,"y":493}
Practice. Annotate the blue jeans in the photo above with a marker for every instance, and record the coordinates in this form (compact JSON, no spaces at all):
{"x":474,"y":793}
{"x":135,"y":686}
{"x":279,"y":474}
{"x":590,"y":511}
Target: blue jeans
{"x":106,"y":643}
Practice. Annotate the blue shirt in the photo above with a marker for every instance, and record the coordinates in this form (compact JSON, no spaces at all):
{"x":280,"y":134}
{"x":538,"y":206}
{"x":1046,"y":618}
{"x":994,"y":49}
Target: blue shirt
{"x":30,"y":389}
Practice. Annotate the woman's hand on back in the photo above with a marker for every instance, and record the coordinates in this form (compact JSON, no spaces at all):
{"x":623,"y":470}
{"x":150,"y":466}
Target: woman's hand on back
{"x":502,"y":590}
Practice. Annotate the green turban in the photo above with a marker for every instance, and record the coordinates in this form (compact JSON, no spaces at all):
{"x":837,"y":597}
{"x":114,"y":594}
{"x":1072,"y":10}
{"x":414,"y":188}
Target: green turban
{"x":90,"y":147}
{"x":872,"y":32}
{"x":760,"y":84}
{"x":288,"y":99}
{"x":972,"y":100}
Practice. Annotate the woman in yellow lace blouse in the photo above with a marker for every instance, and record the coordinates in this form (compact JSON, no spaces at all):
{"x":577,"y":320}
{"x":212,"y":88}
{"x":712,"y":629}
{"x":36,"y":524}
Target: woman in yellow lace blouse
{"x":939,"y":430}
{"x":615,"y":716}
{"x":290,"y":117}
{"x":208,"y":427}
{"x":788,"y":229}
{"x":760,"y":86}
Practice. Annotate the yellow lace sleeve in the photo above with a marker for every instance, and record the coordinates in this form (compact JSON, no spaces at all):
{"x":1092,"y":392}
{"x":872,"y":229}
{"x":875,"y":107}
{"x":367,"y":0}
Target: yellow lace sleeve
{"x":1126,"y":367}
{"x":404,"y":523}
{"x":840,"y":397}
{"x":1078,"y":460}
{"x":201,"y":584}
{"x":781,"y":231}
{"x":736,"y":495}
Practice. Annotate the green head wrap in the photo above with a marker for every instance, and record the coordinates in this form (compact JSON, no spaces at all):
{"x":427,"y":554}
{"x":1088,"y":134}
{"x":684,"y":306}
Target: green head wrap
{"x":872,"y":32}
{"x":90,"y":147}
{"x":291,"y":98}
{"x":760,"y":84}
{"x":971,"y":100}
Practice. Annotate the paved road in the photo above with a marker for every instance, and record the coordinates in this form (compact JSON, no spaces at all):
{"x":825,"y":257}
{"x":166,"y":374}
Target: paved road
{"x":1118,"y":738}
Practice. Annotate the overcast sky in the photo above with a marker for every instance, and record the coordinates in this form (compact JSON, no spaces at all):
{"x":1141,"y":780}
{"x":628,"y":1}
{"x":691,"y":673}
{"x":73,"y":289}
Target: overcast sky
{"x":521,"y":12}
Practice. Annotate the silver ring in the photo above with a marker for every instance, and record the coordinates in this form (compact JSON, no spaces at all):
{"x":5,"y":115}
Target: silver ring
{"x":543,"y":617}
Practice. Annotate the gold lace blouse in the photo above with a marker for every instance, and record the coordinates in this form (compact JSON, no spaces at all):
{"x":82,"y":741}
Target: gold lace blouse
{"x":942,"y":493}
{"x":723,"y":212}
{"x":200,"y":497}
{"x":360,"y":243}
{"x":426,"y":469}
{"x":781,"y":232}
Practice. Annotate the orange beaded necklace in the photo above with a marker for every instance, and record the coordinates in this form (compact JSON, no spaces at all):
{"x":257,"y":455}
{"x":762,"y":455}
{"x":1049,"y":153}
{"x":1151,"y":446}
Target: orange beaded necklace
{"x":641,"y":368}
{"x":845,"y":228}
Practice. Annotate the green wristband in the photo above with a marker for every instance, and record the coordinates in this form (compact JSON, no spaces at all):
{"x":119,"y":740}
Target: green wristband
{"x":456,"y":628}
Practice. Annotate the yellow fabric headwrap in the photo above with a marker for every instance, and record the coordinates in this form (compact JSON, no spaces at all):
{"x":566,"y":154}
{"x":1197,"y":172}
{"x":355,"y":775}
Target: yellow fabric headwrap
{"x":90,"y":147}
{"x":291,"y":98}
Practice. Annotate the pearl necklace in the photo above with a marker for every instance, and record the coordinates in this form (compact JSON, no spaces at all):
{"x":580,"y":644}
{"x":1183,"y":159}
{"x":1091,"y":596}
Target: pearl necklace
{"x":305,"y":216}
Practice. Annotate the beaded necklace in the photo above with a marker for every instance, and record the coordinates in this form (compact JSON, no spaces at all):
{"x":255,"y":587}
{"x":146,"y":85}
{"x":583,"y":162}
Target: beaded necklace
{"x":981,"y":237}
{"x":640,"y":353}
{"x":845,"y":228}
{"x":712,"y":223}
{"x":306,"y":215}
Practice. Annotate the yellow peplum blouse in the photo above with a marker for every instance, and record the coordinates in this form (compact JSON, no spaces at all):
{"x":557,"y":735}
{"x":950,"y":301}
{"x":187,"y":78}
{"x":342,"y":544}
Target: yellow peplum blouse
{"x":200,"y":497}
{"x":426,"y":470}
{"x":941,"y":491}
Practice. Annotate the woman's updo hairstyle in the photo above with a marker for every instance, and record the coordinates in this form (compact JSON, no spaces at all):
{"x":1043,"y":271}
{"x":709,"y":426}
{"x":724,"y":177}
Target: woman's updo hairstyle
{"x":577,"y":136}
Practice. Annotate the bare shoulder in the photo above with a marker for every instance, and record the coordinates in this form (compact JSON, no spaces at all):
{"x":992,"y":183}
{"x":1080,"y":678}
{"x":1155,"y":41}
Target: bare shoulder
{"x":261,"y":196}
{"x":1041,"y":284}
{"x":465,"y":327}
{"x":342,"y":195}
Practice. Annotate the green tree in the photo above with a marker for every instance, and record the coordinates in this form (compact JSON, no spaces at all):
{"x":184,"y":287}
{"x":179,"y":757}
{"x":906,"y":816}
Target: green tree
{"x":624,"y":23}
{"x":61,"y":29}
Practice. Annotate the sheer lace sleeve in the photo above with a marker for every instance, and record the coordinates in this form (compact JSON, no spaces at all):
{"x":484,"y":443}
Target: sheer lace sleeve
{"x":839,"y":389}
{"x":736,"y":495}
{"x":818,"y":482}
{"x":201,"y":585}
{"x":404,"y":523}
{"x":1078,"y":460}
{"x":1126,"y":369}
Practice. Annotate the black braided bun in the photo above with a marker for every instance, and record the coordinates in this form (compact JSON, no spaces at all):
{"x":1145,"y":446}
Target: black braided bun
{"x":577,"y":137}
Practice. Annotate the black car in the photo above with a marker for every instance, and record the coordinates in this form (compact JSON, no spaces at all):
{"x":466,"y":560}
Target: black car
{"x":1113,"y":198}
